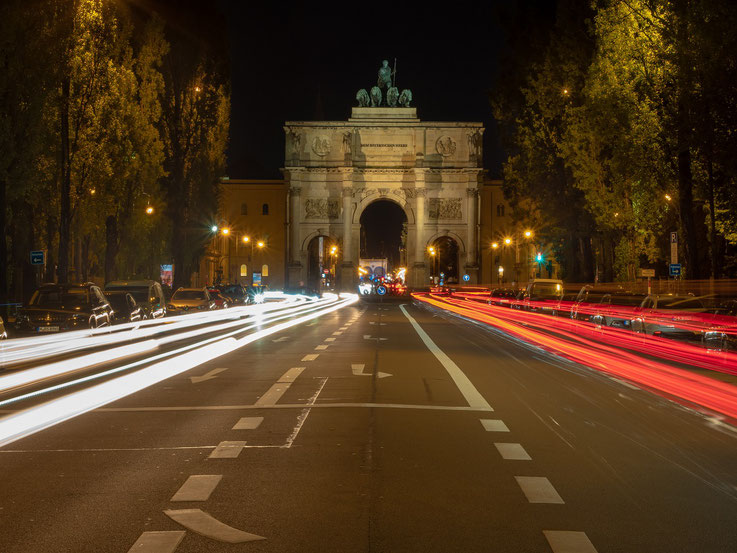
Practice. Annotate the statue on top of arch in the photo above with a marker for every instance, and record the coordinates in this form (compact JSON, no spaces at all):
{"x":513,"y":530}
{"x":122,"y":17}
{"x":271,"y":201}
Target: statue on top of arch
{"x":385,"y":93}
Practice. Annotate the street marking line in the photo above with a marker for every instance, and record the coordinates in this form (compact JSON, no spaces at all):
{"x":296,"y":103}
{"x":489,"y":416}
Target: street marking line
{"x":227,"y":450}
{"x":207,"y":376}
{"x":303,"y":416}
{"x":357,"y":369}
{"x":562,"y":541}
{"x":467,"y":389}
{"x":205,"y":524}
{"x":321,"y":347}
{"x":330,"y":339}
{"x":343,"y":328}
{"x":512,"y":452}
{"x":337,"y":333}
{"x":248,"y":423}
{"x":158,"y":542}
{"x":538,"y":489}
{"x":291,"y":375}
{"x":494,"y":425}
{"x":310,"y":357}
{"x":284,"y":406}
{"x":198,"y":487}
{"x":367,"y":336}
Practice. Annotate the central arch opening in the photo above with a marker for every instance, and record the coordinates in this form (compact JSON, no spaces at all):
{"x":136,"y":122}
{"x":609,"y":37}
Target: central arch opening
{"x":384,"y":234}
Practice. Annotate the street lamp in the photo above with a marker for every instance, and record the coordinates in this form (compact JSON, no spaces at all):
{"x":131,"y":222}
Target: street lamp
{"x":433,"y":254}
{"x":501,"y":274}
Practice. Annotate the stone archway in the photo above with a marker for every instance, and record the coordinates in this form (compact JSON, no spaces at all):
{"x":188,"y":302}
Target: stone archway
{"x":383,"y":233}
{"x":445,"y":259}
{"x":322,"y":262}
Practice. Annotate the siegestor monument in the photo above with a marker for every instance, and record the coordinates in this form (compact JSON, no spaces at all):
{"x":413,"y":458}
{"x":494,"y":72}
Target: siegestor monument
{"x":335,"y":170}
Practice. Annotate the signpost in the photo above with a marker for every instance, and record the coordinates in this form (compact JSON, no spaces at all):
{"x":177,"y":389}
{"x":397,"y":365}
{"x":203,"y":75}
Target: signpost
{"x":38,"y":257}
{"x":675,"y":269}
{"x":647,"y":273}
{"x":466,"y":278}
{"x":673,"y":248}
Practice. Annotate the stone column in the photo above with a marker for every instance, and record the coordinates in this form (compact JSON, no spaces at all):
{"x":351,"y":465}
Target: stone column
{"x":420,"y":225}
{"x":472,"y":254}
{"x":348,"y":267}
{"x":295,"y":266}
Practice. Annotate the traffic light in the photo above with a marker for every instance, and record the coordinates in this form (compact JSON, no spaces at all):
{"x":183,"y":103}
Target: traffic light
{"x":539,"y":257}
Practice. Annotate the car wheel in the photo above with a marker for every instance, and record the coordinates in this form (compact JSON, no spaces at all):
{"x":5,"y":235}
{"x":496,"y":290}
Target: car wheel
{"x":93,"y":322}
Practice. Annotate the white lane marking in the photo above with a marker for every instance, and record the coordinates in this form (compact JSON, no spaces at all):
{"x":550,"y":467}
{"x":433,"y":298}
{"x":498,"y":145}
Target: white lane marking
{"x":562,"y":541}
{"x":204,"y":524}
{"x":494,"y":425}
{"x":285,"y":406}
{"x":538,"y":489}
{"x":343,"y":328}
{"x":281,"y":339}
{"x":291,"y":375}
{"x":248,"y":423}
{"x":158,"y":542}
{"x":367,"y":336}
{"x":310,"y":357}
{"x":303,"y":416}
{"x":330,"y":339}
{"x":469,"y":391}
{"x":322,"y":347}
{"x":227,"y":450}
{"x":337,"y":333}
{"x":625,"y":383}
{"x":357,"y":369}
{"x":207,"y":376}
{"x":512,"y":452}
{"x":375,"y":323}
{"x":198,"y":487}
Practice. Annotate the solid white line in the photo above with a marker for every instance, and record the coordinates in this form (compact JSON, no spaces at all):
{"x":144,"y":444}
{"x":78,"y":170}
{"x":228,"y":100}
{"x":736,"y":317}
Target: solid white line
{"x":158,"y":542}
{"x":203,"y":523}
{"x":198,"y":487}
{"x":303,"y":416}
{"x":227,"y":450}
{"x":494,"y":425}
{"x":288,"y":406}
{"x":569,"y":542}
{"x":310,"y":357}
{"x":321,"y":347}
{"x":248,"y":423}
{"x":469,"y":391}
{"x":538,"y":489}
{"x":512,"y":452}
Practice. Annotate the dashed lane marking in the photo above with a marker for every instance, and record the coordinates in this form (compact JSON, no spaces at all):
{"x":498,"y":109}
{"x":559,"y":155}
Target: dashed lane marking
{"x":465,"y":386}
{"x":569,"y":542}
{"x":227,"y":450}
{"x":512,"y":452}
{"x":494,"y":425}
{"x":330,"y":339}
{"x":283,"y":406}
{"x":322,"y":347}
{"x":337,"y":333}
{"x":291,"y":375}
{"x":158,"y":542}
{"x":275,"y":393}
{"x":248,"y":423}
{"x":538,"y":489}
{"x":198,"y":487}
{"x":310,"y":357}
{"x":204,"y":524}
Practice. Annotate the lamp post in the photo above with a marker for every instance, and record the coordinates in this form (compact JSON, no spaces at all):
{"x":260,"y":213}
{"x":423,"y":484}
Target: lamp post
{"x":494,"y":260}
{"x":528,"y":236}
{"x":433,"y":256}
{"x":260,"y":244}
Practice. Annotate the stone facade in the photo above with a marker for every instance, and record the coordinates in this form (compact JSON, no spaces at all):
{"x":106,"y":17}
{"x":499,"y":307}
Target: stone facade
{"x":335,"y":169}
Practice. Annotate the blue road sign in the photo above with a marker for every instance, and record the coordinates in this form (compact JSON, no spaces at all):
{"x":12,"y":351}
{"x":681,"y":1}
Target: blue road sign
{"x":466,"y":278}
{"x":675,"y":269}
{"x":381,"y":290}
{"x":38,"y":258}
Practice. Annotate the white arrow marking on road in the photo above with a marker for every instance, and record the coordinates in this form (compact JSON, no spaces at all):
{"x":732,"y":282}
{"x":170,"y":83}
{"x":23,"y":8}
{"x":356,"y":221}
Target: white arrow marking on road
{"x":205,"y":524}
{"x":281,"y":339}
{"x":198,"y":487}
{"x":158,"y":542}
{"x":206,"y":376}
{"x":357,"y":369}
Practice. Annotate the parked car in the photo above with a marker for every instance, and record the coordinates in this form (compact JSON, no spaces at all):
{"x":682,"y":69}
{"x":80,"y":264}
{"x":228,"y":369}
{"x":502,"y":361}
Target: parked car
{"x":189,"y":300}
{"x":565,"y":305}
{"x":125,"y":308}
{"x":616,"y":309}
{"x":583,"y":306}
{"x":501,"y":297}
{"x":3,"y":332}
{"x":60,"y":307}
{"x":542,"y":295}
{"x":235,"y":293}
{"x":517,"y":302}
{"x":149,"y":295}
{"x":721,"y":332}
{"x":670,"y":316}
{"x":221,"y":302}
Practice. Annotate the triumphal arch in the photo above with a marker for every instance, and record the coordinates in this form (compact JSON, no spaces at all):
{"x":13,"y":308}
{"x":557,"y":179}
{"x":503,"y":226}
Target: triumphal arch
{"x":335,"y":170}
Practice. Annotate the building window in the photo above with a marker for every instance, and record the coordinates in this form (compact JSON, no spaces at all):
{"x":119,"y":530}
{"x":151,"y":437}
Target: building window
{"x":244,"y":270}
{"x":500,"y":210}
{"x":244,"y":209}
{"x":265,"y":270}
{"x":265,"y":209}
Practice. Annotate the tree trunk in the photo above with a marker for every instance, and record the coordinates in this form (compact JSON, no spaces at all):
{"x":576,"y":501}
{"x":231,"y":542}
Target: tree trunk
{"x":65,"y":214}
{"x":23,"y":273}
{"x":111,"y":247}
{"x":712,"y":218}
{"x":50,"y":269}
{"x":3,"y":244}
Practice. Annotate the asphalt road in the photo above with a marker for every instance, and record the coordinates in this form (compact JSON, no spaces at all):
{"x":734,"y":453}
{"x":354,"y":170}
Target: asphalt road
{"x":364,"y":432}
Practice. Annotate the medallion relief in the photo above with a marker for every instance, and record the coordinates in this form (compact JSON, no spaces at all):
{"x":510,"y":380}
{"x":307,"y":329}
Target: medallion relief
{"x":445,"y":146}
{"x":321,"y":145}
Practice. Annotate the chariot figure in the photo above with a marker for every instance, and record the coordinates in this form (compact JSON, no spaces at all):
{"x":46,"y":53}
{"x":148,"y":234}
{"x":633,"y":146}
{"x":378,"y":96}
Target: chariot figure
{"x":385,"y":75}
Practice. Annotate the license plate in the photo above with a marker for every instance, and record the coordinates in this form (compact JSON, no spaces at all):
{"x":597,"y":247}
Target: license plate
{"x":48,"y":329}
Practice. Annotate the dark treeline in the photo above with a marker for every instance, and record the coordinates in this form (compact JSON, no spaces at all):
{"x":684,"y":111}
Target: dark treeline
{"x":107,"y":109}
{"x":619,"y":118}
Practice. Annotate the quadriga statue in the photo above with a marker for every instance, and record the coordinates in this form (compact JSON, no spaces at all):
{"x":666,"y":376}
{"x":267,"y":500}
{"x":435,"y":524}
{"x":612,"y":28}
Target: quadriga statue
{"x":363,"y":98}
{"x":375,"y":97}
{"x":405,"y":98}
{"x":392,"y":95}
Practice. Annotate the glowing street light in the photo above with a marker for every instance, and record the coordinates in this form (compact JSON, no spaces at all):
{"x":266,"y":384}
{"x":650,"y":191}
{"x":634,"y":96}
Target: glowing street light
{"x":528,"y":234}
{"x":225,"y":231}
{"x":494,"y":245}
{"x":214,"y":228}
{"x":668,"y":197}
{"x":149,"y":210}
{"x":507,"y":241}
{"x":260,"y":244}
{"x":246,"y":239}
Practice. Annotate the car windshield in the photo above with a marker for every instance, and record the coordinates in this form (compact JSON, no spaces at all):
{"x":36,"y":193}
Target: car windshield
{"x":60,"y":298}
{"x":118,"y":301}
{"x":188,"y":295}
{"x":626,"y":300}
{"x":234,"y":291}
{"x":679,"y":303}
{"x":545,"y":290}
{"x":139,"y":293}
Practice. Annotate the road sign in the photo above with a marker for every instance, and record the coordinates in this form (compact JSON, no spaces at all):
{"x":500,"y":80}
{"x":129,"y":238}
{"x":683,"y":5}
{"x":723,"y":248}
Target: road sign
{"x":466,"y":278}
{"x":647,"y":273}
{"x":38,"y":258}
{"x":675,"y":269}
{"x":674,"y":248}
{"x":381,"y":290}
